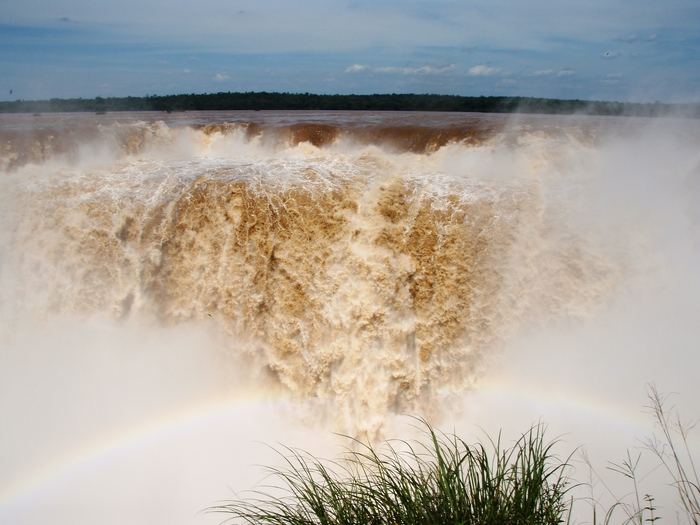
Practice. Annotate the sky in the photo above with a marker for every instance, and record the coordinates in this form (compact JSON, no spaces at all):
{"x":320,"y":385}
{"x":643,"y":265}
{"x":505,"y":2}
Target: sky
{"x":624,"y":50}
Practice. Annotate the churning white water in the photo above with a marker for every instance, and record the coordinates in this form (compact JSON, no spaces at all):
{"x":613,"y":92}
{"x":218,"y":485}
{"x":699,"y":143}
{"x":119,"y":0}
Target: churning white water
{"x":177,"y":290}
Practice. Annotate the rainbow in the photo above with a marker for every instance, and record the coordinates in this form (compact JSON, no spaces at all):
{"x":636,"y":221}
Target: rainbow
{"x":108,"y":448}
{"x":213,"y":412}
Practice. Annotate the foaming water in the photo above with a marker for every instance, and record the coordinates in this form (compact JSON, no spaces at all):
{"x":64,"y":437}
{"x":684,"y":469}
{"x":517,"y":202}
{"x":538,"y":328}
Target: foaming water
{"x":344,"y":267}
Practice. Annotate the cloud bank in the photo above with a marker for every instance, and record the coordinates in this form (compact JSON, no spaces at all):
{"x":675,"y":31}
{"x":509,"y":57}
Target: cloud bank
{"x":75,"y":48}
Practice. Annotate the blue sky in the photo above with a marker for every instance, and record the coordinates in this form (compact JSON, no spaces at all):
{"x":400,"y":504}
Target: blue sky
{"x":631,"y":50}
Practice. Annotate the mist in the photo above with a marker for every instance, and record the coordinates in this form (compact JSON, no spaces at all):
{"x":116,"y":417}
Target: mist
{"x":142,"y":382}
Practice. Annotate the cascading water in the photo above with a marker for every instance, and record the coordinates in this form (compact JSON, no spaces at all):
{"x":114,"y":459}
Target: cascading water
{"x":363,"y":265}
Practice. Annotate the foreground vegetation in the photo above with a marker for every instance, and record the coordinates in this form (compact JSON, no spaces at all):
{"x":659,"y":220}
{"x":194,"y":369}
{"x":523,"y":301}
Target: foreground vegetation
{"x":672,"y":451}
{"x":444,"y":481}
{"x":383,"y":102}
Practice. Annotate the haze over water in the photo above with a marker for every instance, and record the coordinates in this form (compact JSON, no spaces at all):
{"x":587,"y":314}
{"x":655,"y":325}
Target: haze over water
{"x":176,"y":288}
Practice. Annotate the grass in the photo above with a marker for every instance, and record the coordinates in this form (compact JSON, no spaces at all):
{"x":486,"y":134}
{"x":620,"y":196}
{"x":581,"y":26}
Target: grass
{"x":441,"y":480}
{"x":673,"y":455}
{"x":673,"y":452}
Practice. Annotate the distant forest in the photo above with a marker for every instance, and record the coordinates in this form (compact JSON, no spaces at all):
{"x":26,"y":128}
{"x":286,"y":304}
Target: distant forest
{"x":387,"y":102}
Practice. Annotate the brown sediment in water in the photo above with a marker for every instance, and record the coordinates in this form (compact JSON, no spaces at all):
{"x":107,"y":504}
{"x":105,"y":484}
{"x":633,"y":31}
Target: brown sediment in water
{"x":349,"y":277}
{"x":331,"y":282}
{"x":57,"y":138}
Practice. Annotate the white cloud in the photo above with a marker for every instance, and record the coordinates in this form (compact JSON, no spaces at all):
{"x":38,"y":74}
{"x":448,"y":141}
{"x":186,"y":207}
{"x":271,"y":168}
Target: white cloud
{"x":387,"y":69}
{"x":612,"y":79}
{"x":629,"y":39}
{"x":220,"y":77}
{"x":543,"y":72}
{"x":425,"y":70}
{"x":566,"y":72}
{"x":482,"y":71}
{"x":632,"y":38}
{"x":435,"y":71}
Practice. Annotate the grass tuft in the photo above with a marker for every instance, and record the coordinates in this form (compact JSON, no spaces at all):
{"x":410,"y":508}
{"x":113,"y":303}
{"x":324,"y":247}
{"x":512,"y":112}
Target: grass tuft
{"x":673,"y":454}
{"x":439,"y":480}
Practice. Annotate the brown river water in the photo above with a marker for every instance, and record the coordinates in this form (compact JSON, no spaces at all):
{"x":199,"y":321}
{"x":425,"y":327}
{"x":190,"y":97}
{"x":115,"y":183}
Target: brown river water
{"x":341,"y":268}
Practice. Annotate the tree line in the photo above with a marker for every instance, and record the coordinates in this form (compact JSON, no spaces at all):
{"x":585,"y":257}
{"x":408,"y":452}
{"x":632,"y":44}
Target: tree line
{"x":379,"y":102}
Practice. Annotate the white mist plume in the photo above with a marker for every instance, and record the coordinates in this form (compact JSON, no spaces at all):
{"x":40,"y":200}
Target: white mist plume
{"x":596,"y":294}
